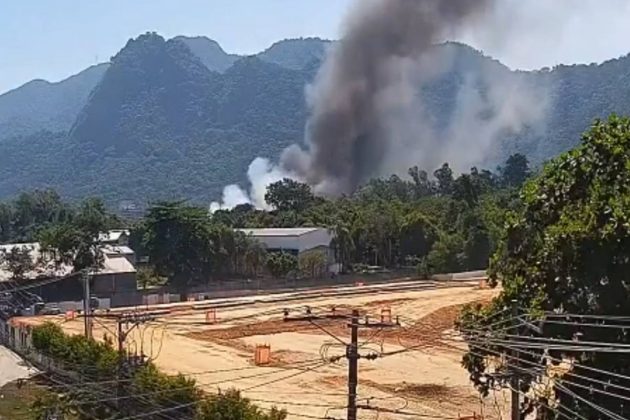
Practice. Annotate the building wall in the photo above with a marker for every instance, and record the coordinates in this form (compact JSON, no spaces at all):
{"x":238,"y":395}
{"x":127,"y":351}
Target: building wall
{"x":309,"y":240}
{"x":108,"y":284}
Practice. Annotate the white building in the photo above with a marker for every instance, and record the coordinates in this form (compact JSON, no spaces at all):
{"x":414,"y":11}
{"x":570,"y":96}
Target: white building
{"x":114,"y":237}
{"x":296,"y":241}
{"x":117,"y":274}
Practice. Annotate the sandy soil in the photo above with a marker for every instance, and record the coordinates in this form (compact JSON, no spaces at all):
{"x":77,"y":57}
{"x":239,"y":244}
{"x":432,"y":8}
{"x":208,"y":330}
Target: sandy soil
{"x":427,"y":380}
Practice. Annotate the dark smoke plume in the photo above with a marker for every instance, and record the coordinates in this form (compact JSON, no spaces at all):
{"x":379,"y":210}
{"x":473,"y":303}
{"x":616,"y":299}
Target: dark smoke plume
{"x":346,"y":135}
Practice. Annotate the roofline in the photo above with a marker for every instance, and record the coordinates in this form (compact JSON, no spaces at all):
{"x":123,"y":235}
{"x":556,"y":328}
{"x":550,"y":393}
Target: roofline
{"x":288,"y":233}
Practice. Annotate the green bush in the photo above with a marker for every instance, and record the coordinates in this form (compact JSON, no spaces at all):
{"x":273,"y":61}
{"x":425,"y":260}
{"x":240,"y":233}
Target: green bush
{"x":232,"y":406}
{"x":155,"y":390}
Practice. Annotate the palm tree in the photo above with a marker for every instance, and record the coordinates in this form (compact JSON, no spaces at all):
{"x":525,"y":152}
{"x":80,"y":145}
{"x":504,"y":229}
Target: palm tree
{"x":239,"y":249}
{"x":255,"y":256}
{"x":343,"y":244}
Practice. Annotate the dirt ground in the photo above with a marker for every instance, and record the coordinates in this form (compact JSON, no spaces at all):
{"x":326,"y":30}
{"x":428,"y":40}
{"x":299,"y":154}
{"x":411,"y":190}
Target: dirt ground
{"x":423,"y":376}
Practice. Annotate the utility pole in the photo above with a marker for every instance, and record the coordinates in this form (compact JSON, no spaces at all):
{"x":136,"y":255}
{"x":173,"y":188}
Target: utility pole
{"x":125,"y":324}
{"x":87,"y":310}
{"x":352,"y":354}
{"x":352,"y":348}
{"x":514,"y":380}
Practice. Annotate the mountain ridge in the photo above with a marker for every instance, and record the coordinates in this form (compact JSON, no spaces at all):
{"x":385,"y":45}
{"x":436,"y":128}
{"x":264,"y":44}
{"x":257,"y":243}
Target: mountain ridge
{"x":159,"y":123}
{"x":43,"y":105}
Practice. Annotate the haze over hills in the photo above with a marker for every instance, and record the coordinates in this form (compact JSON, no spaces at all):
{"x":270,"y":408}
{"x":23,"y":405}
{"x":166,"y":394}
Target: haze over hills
{"x":41,"y":105}
{"x":182,"y":118}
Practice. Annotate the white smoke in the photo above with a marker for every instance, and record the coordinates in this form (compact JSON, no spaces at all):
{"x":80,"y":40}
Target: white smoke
{"x":261,"y":173}
{"x":370,"y":114}
{"x":490,"y":105}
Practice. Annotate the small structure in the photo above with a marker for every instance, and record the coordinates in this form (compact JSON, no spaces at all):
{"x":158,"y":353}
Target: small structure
{"x":262,"y":355}
{"x":386,"y":316}
{"x":211,"y":316}
{"x":118,"y":250}
{"x":114,"y":237}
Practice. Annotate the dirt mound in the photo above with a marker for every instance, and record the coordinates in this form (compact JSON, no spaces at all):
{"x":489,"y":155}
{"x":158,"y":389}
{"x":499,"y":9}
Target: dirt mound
{"x":424,"y":332}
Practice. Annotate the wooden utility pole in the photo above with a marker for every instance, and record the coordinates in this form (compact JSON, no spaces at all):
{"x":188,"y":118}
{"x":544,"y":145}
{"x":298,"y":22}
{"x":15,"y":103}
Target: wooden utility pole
{"x":87,"y":309}
{"x":352,"y":354}
{"x":126,"y":323}
{"x":352,"y":348}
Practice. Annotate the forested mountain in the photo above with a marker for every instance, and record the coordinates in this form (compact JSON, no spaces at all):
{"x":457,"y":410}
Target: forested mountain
{"x":209,"y":52}
{"x":296,"y":54}
{"x":161,"y":125}
{"x":41,"y":105}
{"x":182,"y":118}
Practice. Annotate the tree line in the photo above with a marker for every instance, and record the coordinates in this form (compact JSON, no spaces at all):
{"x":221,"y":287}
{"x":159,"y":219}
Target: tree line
{"x":438,"y":223}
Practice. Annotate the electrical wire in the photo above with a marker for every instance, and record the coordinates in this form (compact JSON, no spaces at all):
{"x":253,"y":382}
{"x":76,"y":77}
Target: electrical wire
{"x":555,"y":381}
{"x":590,"y":403}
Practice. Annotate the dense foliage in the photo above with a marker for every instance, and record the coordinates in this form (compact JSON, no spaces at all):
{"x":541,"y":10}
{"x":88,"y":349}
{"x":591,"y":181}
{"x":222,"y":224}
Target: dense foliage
{"x":161,"y":125}
{"x":68,"y":234}
{"x":138,"y":389}
{"x":40,"y":105}
{"x":438,"y":223}
{"x":566,"y":252}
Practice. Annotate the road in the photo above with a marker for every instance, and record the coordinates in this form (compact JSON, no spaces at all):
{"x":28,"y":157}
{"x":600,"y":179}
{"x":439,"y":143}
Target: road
{"x":309,"y":293}
{"x":12,"y":367}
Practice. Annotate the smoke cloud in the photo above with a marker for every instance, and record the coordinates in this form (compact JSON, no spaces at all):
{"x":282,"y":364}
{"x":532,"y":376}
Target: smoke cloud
{"x":363,"y":81}
{"x":261,"y":173}
{"x":370,"y":113}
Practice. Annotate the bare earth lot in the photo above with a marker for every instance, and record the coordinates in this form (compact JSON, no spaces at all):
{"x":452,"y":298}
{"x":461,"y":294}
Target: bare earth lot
{"x":427,"y":379}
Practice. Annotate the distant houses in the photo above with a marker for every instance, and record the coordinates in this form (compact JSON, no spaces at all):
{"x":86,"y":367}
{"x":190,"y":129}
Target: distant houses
{"x":116,"y":275}
{"x":116,"y":279}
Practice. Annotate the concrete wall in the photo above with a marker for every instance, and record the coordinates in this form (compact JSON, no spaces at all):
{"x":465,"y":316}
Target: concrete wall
{"x":468,"y":275}
{"x":309,"y":240}
{"x":16,"y":335}
{"x":108,"y":284}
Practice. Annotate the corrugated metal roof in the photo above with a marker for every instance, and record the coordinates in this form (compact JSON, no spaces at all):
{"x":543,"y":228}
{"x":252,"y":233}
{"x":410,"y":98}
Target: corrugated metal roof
{"x":117,"y":249}
{"x":112,"y":235}
{"x":113,"y":262}
{"x":281,"y":231}
{"x":116,"y":264}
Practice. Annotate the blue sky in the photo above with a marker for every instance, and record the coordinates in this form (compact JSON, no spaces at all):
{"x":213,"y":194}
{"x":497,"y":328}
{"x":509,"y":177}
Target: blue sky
{"x":52,"y":39}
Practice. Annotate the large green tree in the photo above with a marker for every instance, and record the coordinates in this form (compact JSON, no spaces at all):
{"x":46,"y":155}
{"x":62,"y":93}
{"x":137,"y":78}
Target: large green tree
{"x":515,"y":171}
{"x":18,"y":261}
{"x":178,"y":242}
{"x":289,"y":194}
{"x":444,"y":177}
{"x":566,"y":251}
{"x":76,"y":241}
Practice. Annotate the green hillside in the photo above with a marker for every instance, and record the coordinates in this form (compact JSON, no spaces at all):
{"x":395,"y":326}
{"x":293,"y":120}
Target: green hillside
{"x":159,"y":123}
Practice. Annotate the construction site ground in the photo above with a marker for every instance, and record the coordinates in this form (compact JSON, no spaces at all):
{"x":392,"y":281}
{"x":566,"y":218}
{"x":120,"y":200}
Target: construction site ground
{"x":424,"y":374}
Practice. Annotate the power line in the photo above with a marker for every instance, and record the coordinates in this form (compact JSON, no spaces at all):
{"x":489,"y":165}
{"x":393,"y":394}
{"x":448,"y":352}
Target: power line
{"x":590,"y":403}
